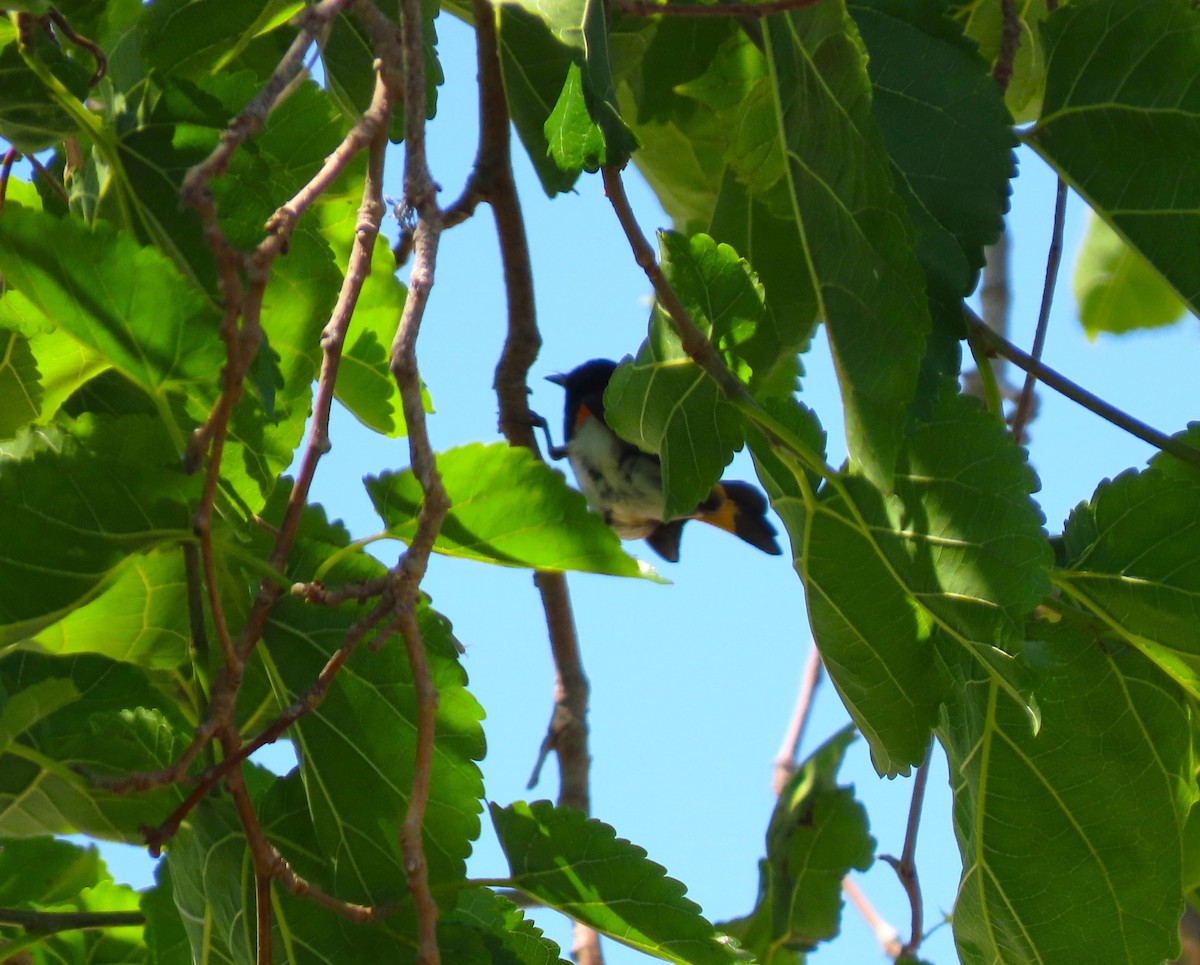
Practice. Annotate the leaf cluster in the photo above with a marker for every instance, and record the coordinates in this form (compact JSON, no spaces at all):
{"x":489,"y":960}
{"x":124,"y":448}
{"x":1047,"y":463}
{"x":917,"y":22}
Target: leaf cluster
{"x":845,"y":162}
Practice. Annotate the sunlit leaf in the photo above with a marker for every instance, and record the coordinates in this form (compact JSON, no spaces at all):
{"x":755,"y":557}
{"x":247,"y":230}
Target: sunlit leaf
{"x":578,"y":865}
{"x":818,"y":833}
{"x":1117,"y":289}
{"x":1121,"y":77}
{"x":1115,"y":728}
{"x":858,"y":244}
{"x":506,"y":508}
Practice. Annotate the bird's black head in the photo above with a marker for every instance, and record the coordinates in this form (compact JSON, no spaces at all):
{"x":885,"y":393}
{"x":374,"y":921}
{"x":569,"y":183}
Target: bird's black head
{"x":585,"y":379}
{"x":585,"y":385}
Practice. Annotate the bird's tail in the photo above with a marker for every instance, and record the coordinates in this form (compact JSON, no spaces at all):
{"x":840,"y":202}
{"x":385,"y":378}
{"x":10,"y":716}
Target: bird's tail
{"x":742,"y":510}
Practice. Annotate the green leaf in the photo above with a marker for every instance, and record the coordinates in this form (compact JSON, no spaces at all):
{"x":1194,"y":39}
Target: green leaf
{"x":619,"y":142}
{"x":31,"y":705}
{"x":31,"y":119}
{"x":121,"y":722}
{"x":1117,"y":290}
{"x":503,"y":935}
{"x":506,"y":508}
{"x":985,"y":26}
{"x":768,"y":242}
{"x":349,"y":58}
{"x":46,"y":871}
{"x":20,"y":384}
{"x":165,"y":936}
{"x":738,"y":90}
{"x":1035,"y":815}
{"x":946,"y":131}
{"x":956,"y":555}
{"x":43,"y":874}
{"x":577,"y":865}
{"x":575,"y":141}
{"x":1119,"y":76}
{"x":662,"y":401}
{"x":123,"y":302}
{"x":535,"y":65}
{"x":200,"y":37}
{"x":212,"y":880}
{"x":818,"y":833}
{"x":141,"y":618}
{"x":358,"y":771}
{"x":365,"y":384}
{"x":74,"y":518}
{"x":1131,"y":561}
{"x":857,"y":241}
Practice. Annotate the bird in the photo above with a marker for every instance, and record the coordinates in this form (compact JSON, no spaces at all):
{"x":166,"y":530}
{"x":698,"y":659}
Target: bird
{"x":624,"y":484}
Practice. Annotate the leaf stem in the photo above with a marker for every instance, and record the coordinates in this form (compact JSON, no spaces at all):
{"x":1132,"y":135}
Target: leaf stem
{"x":1076,"y":393}
{"x":650,"y":8}
{"x":1025,"y":404}
{"x":785,"y":760}
{"x":50,"y":922}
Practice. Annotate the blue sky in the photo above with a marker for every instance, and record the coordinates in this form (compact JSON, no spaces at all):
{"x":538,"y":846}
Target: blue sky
{"x":693,"y":683}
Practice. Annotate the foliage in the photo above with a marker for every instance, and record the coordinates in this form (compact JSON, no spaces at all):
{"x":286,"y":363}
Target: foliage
{"x":173,"y":287}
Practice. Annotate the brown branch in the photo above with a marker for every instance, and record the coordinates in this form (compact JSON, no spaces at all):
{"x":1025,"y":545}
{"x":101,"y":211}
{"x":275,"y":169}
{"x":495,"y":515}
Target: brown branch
{"x":887,"y":936}
{"x":906,"y":867}
{"x":648,"y":8}
{"x":300,"y":707}
{"x":692,"y":338}
{"x":1010,"y":42}
{"x":262,"y":917}
{"x":50,"y":922}
{"x":1025,"y":404}
{"x":492,"y":179}
{"x":371,"y":129}
{"x":407,"y":64}
{"x":93,"y":48}
{"x":785,"y":760}
{"x":270,"y":864}
{"x":10,"y":157}
{"x":994,"y":343}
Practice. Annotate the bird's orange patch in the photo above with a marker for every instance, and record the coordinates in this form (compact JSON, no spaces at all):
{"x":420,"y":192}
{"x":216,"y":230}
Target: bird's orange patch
{"x":582,"y":415}
{"x":724,"y":517}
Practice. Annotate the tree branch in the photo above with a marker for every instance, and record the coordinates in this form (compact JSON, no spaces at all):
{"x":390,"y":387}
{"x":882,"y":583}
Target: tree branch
{"x":1076,"y":393}
{"x":649,"y":8}
{"x":906,"y":867}
{"x":50,"y":922}
{"x":888,"y":937}
{"x":420,"y":193}
{"x":785,"y":760}
{"x":1025,"y":404}
{"x":1010,"y":42}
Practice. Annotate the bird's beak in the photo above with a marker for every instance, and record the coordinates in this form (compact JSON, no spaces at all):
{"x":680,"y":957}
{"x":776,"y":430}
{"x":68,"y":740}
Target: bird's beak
{"x":558,"y":378}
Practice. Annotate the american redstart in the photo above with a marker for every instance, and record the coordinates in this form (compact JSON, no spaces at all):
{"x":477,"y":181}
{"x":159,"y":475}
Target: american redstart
{"x":624,"y":484}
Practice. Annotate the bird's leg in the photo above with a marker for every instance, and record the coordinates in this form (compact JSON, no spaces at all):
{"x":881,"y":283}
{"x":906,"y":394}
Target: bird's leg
{"x":539,"y":422}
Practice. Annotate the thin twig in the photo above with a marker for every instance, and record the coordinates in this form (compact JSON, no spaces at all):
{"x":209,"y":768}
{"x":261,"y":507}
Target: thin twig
{"x":50,"y":922}
{"x":492,"y":179}
{"x":307,"y":702}
{"x":365,"y":132}
{"x":10,"y":156}
{"x":1076,"y":393}
{"x":78,"y":40}
{"x":270,"y":863}
{"x":1024,"y":410}
{"x":906,"y":867}
{"x":888,"y":937}
{"x":649,"y":8}
{"x":420,"y":194}
{"x":1010,"y":41}
{"x":692,"y":338}
{"x":785,"y":760}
